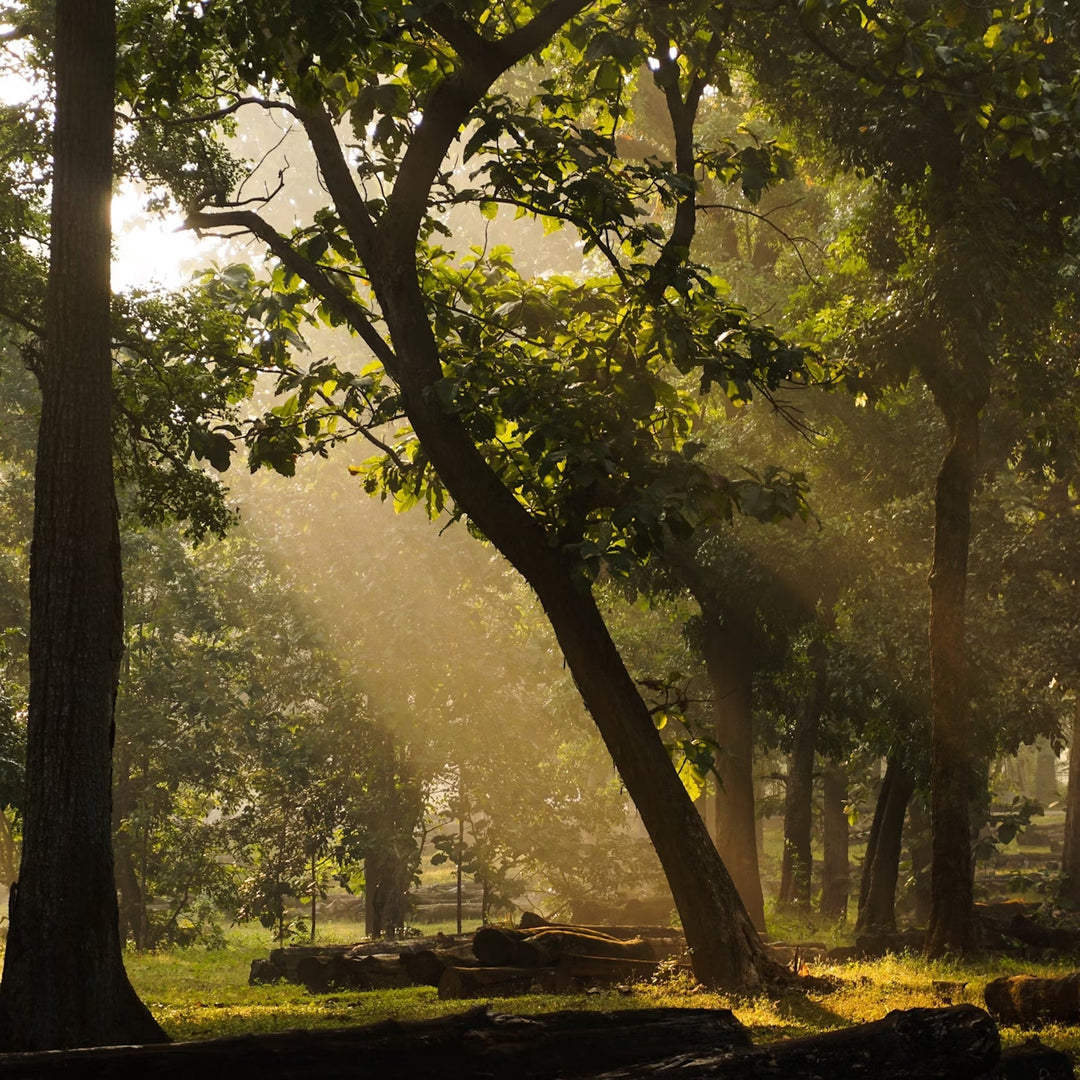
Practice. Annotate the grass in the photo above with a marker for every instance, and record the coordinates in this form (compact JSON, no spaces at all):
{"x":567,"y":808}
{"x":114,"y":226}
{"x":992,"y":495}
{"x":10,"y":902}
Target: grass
{"x":197,"y":994}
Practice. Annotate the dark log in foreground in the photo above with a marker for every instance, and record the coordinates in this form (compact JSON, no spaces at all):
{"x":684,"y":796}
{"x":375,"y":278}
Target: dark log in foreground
{"x":959,"y":1043}
{"x":1029,"y":1001}
{"x":461,"y":1047}
{"x":1033,"y":1061}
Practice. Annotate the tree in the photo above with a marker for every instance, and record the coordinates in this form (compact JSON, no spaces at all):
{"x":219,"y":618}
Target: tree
{"x":960,"y":253}
{"x":477,"y":359}
{"x":64,"y":982}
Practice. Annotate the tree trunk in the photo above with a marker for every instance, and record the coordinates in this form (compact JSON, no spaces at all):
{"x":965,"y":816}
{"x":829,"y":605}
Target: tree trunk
{"x":727,"y":647}
{"x":726,"y":949}
{"x":1070,"y":855}
{"x":64,"y":982}
{"x":836,"y":873}
{"x":919,"y":846}
{"x":797,"y":864}
{"x":881,"y":864}
{"x":952,"y":926}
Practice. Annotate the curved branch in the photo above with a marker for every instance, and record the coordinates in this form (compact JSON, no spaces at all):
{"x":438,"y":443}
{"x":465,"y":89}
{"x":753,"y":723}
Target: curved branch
{"x":320,"y":281}
{"x":228,"y":110}
{"x":450,"y":105}
{"x":794,"y":241}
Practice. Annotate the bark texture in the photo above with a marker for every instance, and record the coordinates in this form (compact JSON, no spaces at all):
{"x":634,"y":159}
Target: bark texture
{"x":959,"y":1043}
{"x":728,"y":659}
{"x":952,"y":925}
{"x":797,"y":865}
{"x":835,"y":867}
{"x":881,"y":863}
{"x":1070,"y":854}
{"x":460,"y":1047}
{"x":64,"y":982}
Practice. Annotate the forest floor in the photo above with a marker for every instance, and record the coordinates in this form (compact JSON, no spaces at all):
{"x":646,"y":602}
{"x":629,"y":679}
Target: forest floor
{"x":198,"y":994}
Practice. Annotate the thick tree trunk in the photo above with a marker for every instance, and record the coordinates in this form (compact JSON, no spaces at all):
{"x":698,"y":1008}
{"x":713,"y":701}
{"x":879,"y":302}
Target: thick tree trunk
{"x":835,"y":869}
{"x":797,"y":864}
{"x":725,"y":947}
{"x":1070,"y":855}
{"x":64,"y":982}
{"x":952,"y":927}
{"x":881,"y":864}
{"x":728,"y":659}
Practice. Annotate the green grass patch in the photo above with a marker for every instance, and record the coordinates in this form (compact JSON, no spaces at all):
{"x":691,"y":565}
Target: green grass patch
{"x":199,"y":994}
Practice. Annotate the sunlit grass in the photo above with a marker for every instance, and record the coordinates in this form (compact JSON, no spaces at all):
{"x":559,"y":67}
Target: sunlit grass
{"x":198,"y":994}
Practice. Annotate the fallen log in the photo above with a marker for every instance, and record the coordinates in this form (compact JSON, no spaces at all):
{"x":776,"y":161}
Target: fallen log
{"x":320,"y":974}
{"x":1029,"y":1001}
{"x":531,"y":921}
{"x":1033,"y":1061}
{"x":461,"y":1047}
{"x":496,"y":946}
{"x":957,"y":1043}
{"x":425,"y":968}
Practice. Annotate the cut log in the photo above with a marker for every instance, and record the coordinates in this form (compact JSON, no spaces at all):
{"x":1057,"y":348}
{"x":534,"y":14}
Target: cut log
{"x":1030,"y":1001}
{"x":425,"y":968}
{"x":461,"y":1047}
{"x":497,"y":946}
{"x":531,"y":921}
{"x":474,"y":982}
{"x":958,"y":1043}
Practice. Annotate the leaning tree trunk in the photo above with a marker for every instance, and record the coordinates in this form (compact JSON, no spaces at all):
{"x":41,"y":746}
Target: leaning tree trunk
{"x":797,"y":865}
{"x":725,"y":948}
{"x":64,"y":983}
{"x":1070,"y":855}
{"x":835,"y":867}
{"x":881,"y":863}
{"x":952,"y":924}
{"x":730,"y":666}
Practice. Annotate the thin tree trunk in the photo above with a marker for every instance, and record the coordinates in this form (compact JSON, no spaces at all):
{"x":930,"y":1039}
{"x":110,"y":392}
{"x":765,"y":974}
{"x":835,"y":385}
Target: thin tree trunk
{"x":1070,"y":855}
{"x":64,"y":982}
{"x":797,"y":865}
{"x":881,"y":864}
{"x":731,"y":672}
{"x":919,"y":846}
{"x":836,"y":873}
{"x":952,"y":924}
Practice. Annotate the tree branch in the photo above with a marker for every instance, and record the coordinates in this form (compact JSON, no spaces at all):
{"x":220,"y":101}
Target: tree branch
{"x":320,"y":281}
{"x":451,"y":103}
{"x":337,"y":176}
